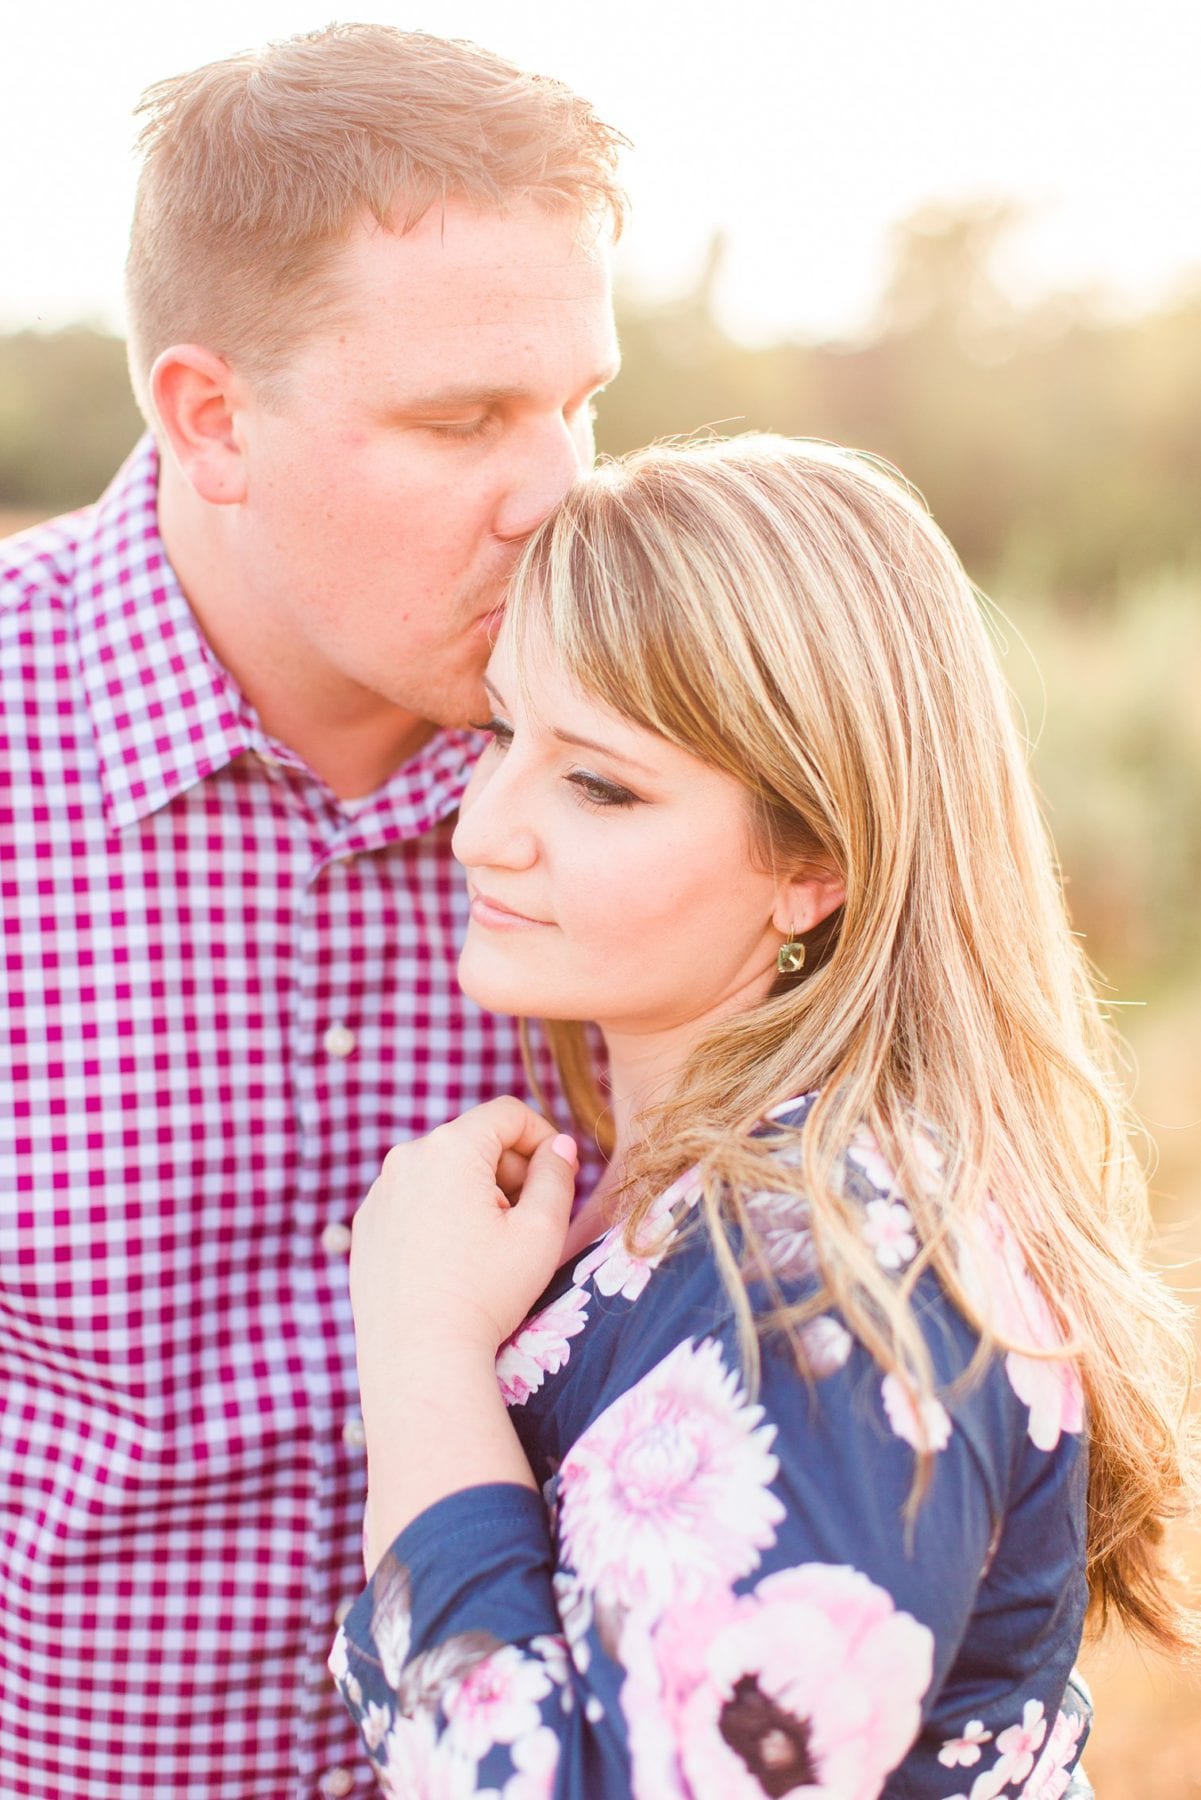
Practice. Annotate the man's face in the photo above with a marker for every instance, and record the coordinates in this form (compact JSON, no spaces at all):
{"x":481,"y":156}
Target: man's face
{"x":418,"y":443}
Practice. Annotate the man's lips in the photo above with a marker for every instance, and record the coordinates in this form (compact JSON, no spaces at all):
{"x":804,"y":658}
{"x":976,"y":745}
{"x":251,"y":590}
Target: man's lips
{"x":487,"y":911}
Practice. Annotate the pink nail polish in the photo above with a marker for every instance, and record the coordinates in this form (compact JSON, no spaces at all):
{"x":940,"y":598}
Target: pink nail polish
{"x":565,"y":1147}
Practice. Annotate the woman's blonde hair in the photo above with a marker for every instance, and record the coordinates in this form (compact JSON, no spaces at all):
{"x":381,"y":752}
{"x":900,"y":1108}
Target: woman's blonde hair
{"x":256,"y":168}
{"x":789,"y":613}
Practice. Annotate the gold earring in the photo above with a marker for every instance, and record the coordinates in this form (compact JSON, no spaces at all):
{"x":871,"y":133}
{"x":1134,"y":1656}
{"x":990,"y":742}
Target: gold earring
{"x":790,"y":957}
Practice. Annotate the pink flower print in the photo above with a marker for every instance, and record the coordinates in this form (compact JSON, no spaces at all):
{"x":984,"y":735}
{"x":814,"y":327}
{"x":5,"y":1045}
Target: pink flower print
{"x":496,"y":1701}
{"x":669,"y":1491}
{"x":391,"y":1617}
{"x":963,"y":1752}
{"x":1053,"y":1393}
{"x":339,"y":1667}
{"x":1019,"y":1744}
{"x":539,"y":1347}
{"x":809,"y":1685}
{"x":616,"y":1270}
{"x":926,"y":1426}
{"x":888,"y":1228}
{"x":783,"y":1227}
{"x":374,"y":1724}
{"x":1049,"y":1386}
{"x":826,"y":1345}
{"x":535,"y":1762}
{"x":865,"y":1153}
{"x":574,"y":1602}
{"x":987,"y":1785}
{"x":417,"y":1761}
{"x":1053,"y":1772}
{"x":925,"y":1162}
{"x":554,"y":1656}
{"x":777,"y":1112}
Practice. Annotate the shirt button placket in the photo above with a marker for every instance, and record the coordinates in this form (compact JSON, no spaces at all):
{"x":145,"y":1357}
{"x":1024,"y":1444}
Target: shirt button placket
{"x":339,"y":1040}
{"x":354,"y":1434}
{"x":335,"y":1238}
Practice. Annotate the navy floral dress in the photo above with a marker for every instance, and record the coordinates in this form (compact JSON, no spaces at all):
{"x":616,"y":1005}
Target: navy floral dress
{"x":715,"y":1597}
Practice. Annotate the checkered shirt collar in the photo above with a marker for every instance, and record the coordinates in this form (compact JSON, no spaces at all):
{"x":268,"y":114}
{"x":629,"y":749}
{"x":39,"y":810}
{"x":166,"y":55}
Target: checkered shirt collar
{"x":166,"y":714}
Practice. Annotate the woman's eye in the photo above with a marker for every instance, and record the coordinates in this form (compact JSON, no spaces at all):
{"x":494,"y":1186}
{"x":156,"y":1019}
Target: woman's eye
{"x":500,"y":733}
{"x":598,"y":792}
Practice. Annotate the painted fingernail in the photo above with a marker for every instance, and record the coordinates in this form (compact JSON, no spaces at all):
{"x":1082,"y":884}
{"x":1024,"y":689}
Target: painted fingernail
{"x":565,"y":1147}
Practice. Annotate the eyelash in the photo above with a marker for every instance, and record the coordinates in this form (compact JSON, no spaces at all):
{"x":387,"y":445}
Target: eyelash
{"x":593,"y":790}
{"x":477,"y":427}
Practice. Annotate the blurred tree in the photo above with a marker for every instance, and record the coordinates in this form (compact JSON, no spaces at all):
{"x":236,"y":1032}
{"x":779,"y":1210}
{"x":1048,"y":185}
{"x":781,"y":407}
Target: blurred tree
{"x":67,"y":417}
{"x":943,"y":279}
{"x":1058,"y":448}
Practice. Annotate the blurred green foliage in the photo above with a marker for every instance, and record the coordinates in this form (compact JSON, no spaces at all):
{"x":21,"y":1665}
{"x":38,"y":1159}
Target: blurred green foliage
{"x":1060,"y":450}
{"x":67,"y":417}
{"x":1053,"y":445}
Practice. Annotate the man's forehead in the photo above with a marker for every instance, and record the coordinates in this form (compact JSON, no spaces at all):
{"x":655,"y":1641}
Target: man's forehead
{"x":455,"y":234}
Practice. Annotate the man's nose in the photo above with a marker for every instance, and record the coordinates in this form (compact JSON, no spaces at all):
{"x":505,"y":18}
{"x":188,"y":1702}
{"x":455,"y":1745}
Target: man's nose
{"x":556,"y":453}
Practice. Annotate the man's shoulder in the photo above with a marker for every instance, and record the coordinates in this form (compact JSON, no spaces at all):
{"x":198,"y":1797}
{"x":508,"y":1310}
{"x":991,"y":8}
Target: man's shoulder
{"x":44,"y":570}
{"x":38,"y":565}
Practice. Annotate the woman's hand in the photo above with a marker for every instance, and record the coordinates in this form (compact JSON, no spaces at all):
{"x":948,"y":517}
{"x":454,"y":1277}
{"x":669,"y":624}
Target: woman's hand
{"x":460,"y":1233}
{"x":452,"y":1246}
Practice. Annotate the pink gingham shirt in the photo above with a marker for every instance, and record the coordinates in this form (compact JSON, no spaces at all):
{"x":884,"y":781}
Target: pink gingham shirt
{"x":224,"y":997}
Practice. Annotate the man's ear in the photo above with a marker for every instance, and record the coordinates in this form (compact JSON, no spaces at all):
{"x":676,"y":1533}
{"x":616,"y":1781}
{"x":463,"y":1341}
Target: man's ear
{"x":196,"y":395}
{"x":804,"y":900}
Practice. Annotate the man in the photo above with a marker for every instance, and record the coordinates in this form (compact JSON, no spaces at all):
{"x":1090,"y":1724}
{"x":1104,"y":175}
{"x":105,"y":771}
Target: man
{"x":369,"y":313}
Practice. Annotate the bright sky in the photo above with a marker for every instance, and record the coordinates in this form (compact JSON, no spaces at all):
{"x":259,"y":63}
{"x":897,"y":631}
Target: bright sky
{"x":803,"y":128}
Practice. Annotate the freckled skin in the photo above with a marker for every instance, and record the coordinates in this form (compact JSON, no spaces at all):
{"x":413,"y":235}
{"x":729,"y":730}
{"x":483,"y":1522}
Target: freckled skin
{"x":379,"y":522}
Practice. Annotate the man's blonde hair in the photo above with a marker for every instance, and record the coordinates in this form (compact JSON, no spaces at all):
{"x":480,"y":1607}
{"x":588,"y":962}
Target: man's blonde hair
{"x":789,"y":613}
{"x":257,"y":168}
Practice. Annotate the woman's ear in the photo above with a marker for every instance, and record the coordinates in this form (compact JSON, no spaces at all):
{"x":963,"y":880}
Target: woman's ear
{"x":196,"y":396}
{"x":804,"y":900}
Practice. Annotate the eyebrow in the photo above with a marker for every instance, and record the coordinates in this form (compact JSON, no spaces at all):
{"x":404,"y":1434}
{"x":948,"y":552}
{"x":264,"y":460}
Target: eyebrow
{"x":448,"y":398}
{"x":582,"y":743}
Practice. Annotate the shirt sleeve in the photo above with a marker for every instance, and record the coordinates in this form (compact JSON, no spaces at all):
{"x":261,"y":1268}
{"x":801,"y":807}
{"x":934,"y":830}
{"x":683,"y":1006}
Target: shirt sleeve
{"x":724,"y":1596}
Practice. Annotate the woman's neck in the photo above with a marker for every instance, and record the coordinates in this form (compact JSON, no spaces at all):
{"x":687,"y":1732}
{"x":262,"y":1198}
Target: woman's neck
{"x":643,"y":1070}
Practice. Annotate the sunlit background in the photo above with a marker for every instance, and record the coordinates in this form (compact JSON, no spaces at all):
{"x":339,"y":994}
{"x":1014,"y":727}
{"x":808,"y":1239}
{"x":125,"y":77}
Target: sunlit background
{"x":964,"y":235}
{"x":804,"y":131}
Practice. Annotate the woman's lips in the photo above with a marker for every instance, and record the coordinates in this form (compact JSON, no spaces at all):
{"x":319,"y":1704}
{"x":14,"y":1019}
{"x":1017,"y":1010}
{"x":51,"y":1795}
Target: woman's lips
{"x":489,"y":912}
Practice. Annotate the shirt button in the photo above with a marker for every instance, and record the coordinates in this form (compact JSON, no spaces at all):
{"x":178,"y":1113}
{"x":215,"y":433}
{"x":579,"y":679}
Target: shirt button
{"x":339,"y":1039}
{"x":354,"y":1434}
{"x":336,"y":1783}
{"x":336,"y":1238}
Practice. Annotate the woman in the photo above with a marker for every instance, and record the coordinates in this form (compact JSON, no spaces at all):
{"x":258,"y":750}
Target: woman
{"x":782,"y":1484}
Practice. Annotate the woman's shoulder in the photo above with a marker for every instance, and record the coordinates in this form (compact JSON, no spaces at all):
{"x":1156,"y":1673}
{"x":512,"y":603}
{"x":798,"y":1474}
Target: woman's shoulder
{"x":994,"y":1292}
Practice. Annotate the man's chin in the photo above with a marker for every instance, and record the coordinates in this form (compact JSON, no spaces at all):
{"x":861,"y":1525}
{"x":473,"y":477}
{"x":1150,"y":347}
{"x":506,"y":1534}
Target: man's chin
{"x":465,"y":705}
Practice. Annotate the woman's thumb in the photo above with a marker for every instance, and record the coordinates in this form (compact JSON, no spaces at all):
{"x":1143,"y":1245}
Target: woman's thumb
{"x":550,"y":1179}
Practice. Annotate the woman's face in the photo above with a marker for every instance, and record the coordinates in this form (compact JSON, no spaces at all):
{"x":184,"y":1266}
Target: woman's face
{"x":611,"y":873}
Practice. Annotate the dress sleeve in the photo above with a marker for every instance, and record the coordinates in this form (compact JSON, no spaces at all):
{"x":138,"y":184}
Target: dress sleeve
{"x":454,"y":1662}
